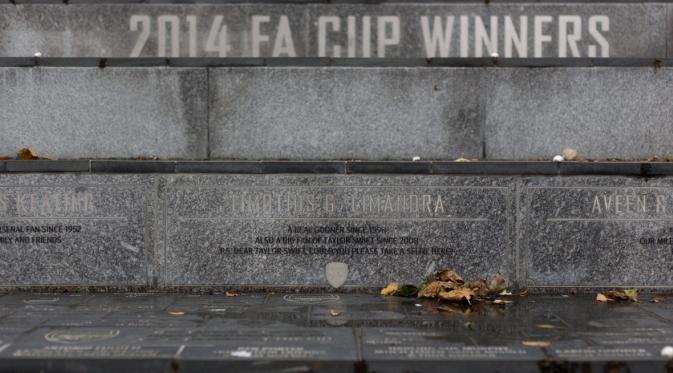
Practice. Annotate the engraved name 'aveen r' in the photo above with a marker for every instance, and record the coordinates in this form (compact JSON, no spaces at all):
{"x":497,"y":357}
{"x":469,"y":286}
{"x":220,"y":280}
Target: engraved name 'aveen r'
{"x":628,"y":203}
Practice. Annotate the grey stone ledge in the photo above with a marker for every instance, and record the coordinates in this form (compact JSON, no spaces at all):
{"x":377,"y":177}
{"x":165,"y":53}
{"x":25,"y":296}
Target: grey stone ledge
{"x":316,"y":1}
{"x":642,"y":169}
{"x":47,"y":166}
{"x":333,"y":62}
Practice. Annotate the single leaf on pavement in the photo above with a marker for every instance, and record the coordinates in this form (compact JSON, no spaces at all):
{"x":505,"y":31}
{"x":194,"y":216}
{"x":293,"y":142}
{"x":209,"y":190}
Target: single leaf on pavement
{"x":625,"y":295}
{"x":391,"y":289}
{"x":458,"y":295}
{"x":27,"y":154}
{"x":451,"y":276}
{"x":602,"y":298}
{"x":407,"y":291}
{"x":536,"y":343}
{"x":497,"y":284}
{"x":632,"y":294}
{"x":432,"y":289}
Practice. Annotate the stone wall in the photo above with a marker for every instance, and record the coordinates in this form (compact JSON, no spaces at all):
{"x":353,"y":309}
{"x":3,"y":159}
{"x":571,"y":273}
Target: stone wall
{"x":337,"y":112}
{"x":407,"y":30}
{"x":173,"y":230}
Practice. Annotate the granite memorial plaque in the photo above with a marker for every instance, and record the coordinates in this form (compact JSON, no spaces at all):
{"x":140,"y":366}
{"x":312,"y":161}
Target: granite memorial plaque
{"x":279,"y":349}
{"x":88,"y":342}
{"x":286,"y":230}
{"x":75,"y":230}
{"x":597,"y":231}
{"x":385,"y":349}
{"x":663,"y":310}
{"x":420,"y":30}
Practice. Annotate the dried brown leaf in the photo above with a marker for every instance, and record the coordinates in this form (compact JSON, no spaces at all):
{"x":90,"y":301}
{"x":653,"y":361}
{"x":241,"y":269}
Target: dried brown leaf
{"x":334,"y":313}
{"x":502,"y":301}
{"x":569,"y":154}
{"x":451,"y":276}
{"x":625,"y":295}
{"x":546,"y":326}
{"x":458,"y":295}
{"x":602,"y":298}
{"x":632,"y":294}
{"x":391,"y":289}
{"x":497,"y":284}
{"x":432,"y":289}
{"x":176,"y":312}
{"x":407,"y":290}
{"x":522,"y":293}
{"x":536,"y":343}
{"x":27,"y":154}
{"x":231,"y":293}
{"x":478,"y":286}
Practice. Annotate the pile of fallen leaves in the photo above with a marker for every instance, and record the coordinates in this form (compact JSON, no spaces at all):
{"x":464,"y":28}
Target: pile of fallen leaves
{"x":625,"y":295}
{"x":449,"y":286}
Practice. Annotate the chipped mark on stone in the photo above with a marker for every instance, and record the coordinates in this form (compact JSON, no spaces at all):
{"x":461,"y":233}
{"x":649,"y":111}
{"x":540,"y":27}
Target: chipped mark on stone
{"x":241,"y":353}
{"x":431,"y":269}
{"x":179,"y":352}
{"x":41,"y":301}
{"x":130,"y":247}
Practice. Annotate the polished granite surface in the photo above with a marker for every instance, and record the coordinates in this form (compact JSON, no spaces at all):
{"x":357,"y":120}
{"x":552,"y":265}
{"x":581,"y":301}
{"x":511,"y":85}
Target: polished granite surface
{"x":137,"y":332}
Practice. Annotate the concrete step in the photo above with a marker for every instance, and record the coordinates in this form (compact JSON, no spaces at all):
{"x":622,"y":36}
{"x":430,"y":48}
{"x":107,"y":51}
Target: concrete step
{"x":339,"y":29}
{"x":322,"y":109}
{"x":287,"y":226}
{"x":329,"y":333}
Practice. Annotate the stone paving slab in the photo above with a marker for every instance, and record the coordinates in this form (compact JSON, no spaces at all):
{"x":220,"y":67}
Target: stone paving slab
{"x":360,"y":335}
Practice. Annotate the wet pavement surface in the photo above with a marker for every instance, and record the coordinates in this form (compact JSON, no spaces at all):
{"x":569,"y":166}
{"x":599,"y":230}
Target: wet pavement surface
{"x":328,"y":332}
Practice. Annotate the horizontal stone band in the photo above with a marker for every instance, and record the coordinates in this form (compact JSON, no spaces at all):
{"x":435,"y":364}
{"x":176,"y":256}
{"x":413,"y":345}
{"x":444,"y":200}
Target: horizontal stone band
{"x":643,"y":169}
{"x":160,"y":231}
{"x":340,"y":29}
{"x":337,"y":113}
